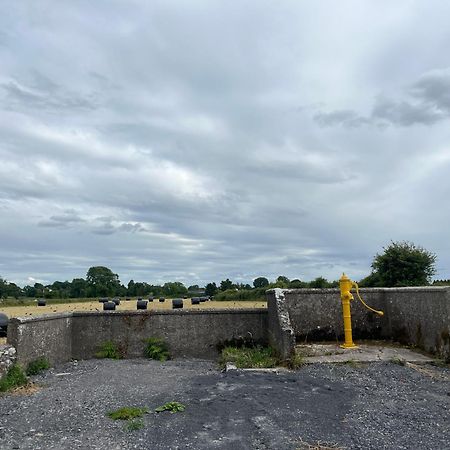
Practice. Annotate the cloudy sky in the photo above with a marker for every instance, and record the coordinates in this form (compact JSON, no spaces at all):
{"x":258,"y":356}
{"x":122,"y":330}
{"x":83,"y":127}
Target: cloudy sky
{"x":199,"y":140}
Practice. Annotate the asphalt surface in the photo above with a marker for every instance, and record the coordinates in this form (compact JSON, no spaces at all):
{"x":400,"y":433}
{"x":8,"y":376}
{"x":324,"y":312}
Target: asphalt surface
{"x":376,"y":406}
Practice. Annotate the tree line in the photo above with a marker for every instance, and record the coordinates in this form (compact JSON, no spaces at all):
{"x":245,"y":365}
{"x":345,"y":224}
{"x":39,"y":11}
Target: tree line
{"x":400,"y":264}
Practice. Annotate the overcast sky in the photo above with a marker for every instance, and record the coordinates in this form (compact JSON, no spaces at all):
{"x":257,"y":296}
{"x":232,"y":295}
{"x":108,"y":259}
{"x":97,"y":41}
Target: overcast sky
{"x":199,"y":140}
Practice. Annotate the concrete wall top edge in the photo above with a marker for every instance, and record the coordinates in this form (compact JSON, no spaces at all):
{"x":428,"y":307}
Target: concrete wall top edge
{"x":198,"y":312}
{"x":40,"y":318}
{"x":46,"y":317}
{"x":393,"y":289}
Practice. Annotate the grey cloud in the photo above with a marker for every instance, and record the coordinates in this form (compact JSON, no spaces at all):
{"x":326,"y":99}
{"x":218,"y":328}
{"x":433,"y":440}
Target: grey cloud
{"x":425,"y":102}
{"x":65,"y":220}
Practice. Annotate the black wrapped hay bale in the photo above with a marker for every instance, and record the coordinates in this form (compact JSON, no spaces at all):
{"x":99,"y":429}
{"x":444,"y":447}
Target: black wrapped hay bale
{"x":141,"y":304}
{"x":103,"y":300}
{"x":3,"y":324}
{"x":42,"y":302}
{"x":150,"y":299}
{"x":162,"y":299}
{"x":116,"y":301}
{"x":203,"y":299}
{"x":195,"y":301}
{"x":177,"y":303}
{"x":109,"y":306}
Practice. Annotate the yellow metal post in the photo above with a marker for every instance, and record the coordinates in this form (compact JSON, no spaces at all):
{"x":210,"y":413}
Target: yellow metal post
{"x":346,"y":285}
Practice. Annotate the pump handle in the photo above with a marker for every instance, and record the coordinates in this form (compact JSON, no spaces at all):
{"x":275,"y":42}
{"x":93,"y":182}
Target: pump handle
{"x":380,"y":313}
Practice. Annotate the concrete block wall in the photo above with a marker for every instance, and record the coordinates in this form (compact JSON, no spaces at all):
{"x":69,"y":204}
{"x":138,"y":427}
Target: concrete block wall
{"x":48,"y":336}
{"x":417,"y":316}
{"x":78,"y":335}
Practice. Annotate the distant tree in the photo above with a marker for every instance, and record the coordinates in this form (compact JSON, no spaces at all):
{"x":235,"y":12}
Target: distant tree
{"x":131,"y":290}
{"x":319,"y":283}
{"x":194,"y":288}
{"x":297,"y":284}
{"x":102,"y":281}
{"x":260,"y":282}
{"x":211,"y":289}
{"x":403,"y":264}
{"x":174,"y":289}
{"x":78,"y":288}
{"x":283,"y":279}
{"x":226,"y":284}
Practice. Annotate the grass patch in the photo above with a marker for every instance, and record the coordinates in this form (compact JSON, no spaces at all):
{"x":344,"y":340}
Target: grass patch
{"x":14,"y":378}
{"x":109,"y":350}
{"x":156,"y":348}
{"x":134,"y":424}
{"x":297,"y":361}
{"x":249,"y":357}
{"x":173,"y":407}
{"x":38,"y":366}
{"x":127,"y":413}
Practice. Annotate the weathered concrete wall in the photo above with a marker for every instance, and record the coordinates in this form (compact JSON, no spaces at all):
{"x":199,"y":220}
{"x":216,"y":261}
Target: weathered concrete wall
{"x":78,"y":335}
{"x":188,"y":333}
{"x":281,"y":334}
{"x":7,"y":358}
{"x":421,"y":317}
{"x":49,"y":336}
{"x":418,"y":316}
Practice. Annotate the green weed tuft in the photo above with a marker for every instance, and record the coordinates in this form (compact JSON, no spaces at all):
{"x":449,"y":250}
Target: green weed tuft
{"x":37,"y":366}
{"x":15,"y":377}
{"x":173,"y":407}
{"x":127,"y":413}
{"x":249,"y":357}
{"x":108,"y":349}
{"x":134,"y":424}
{"x":156,"y":348}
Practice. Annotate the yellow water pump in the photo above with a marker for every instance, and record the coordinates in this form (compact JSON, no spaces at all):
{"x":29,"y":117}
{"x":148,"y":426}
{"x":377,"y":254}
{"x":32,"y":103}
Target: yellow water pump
{"x":346,"y":285}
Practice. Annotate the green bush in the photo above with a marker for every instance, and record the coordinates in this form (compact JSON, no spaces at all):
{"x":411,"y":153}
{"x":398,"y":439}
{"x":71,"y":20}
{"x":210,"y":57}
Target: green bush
{"x":37,"y":366}
{"x":108,"y":349}
{"x":15,"y":377}
{"x":156,"y":348}
{"x":127,"y":413}
{"x":249,"y":357}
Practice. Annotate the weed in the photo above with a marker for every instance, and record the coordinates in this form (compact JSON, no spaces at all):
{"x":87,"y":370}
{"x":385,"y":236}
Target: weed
{"x":134,"y":424}
{"x":37,"y":366}
{"x":296,"y":361}
{"x":399,"y":361}
{"x":173,"y":407}
{"x":15,"y":377}
{"x":108,"y":349}
{"x":156,"y":349}
{"x":249,"y":357}
{"x":127,"y":413}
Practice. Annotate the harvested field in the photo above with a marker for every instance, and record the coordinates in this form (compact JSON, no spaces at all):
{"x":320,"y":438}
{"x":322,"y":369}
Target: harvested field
{"x":34,"y":310}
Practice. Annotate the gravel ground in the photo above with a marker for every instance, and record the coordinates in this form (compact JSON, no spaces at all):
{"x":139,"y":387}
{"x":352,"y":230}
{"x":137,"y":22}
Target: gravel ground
{"x":377,"y":406}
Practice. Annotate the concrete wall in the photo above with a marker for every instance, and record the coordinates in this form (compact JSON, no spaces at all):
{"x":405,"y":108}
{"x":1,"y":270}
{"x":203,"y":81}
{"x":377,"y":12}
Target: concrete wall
{"x":78,"y":335}
{"x":7,"y":358}
{"x":418,"y":316}
{"x":281,"y":333}
{"x":49,"y":336}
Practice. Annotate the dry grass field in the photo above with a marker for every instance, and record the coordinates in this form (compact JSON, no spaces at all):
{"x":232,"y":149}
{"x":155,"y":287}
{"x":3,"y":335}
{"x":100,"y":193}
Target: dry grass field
{"x":34,"y":310}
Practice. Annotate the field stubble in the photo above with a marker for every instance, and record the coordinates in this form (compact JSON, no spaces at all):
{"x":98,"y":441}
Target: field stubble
{"x":34,"y":310}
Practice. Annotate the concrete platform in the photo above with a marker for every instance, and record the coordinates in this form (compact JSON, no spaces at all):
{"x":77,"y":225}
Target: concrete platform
{"x":365,"y":352}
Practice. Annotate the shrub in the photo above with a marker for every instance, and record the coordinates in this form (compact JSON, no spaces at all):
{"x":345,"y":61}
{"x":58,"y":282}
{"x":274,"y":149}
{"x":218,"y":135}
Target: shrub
{"x":402,"y":264}
{"x":156,"y":348}
{"x":108,"y":350}
{"x":249,"y":357}
{"x":15,"y":377}
{"x":37,"y":366}
{"x":127,"y":413}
